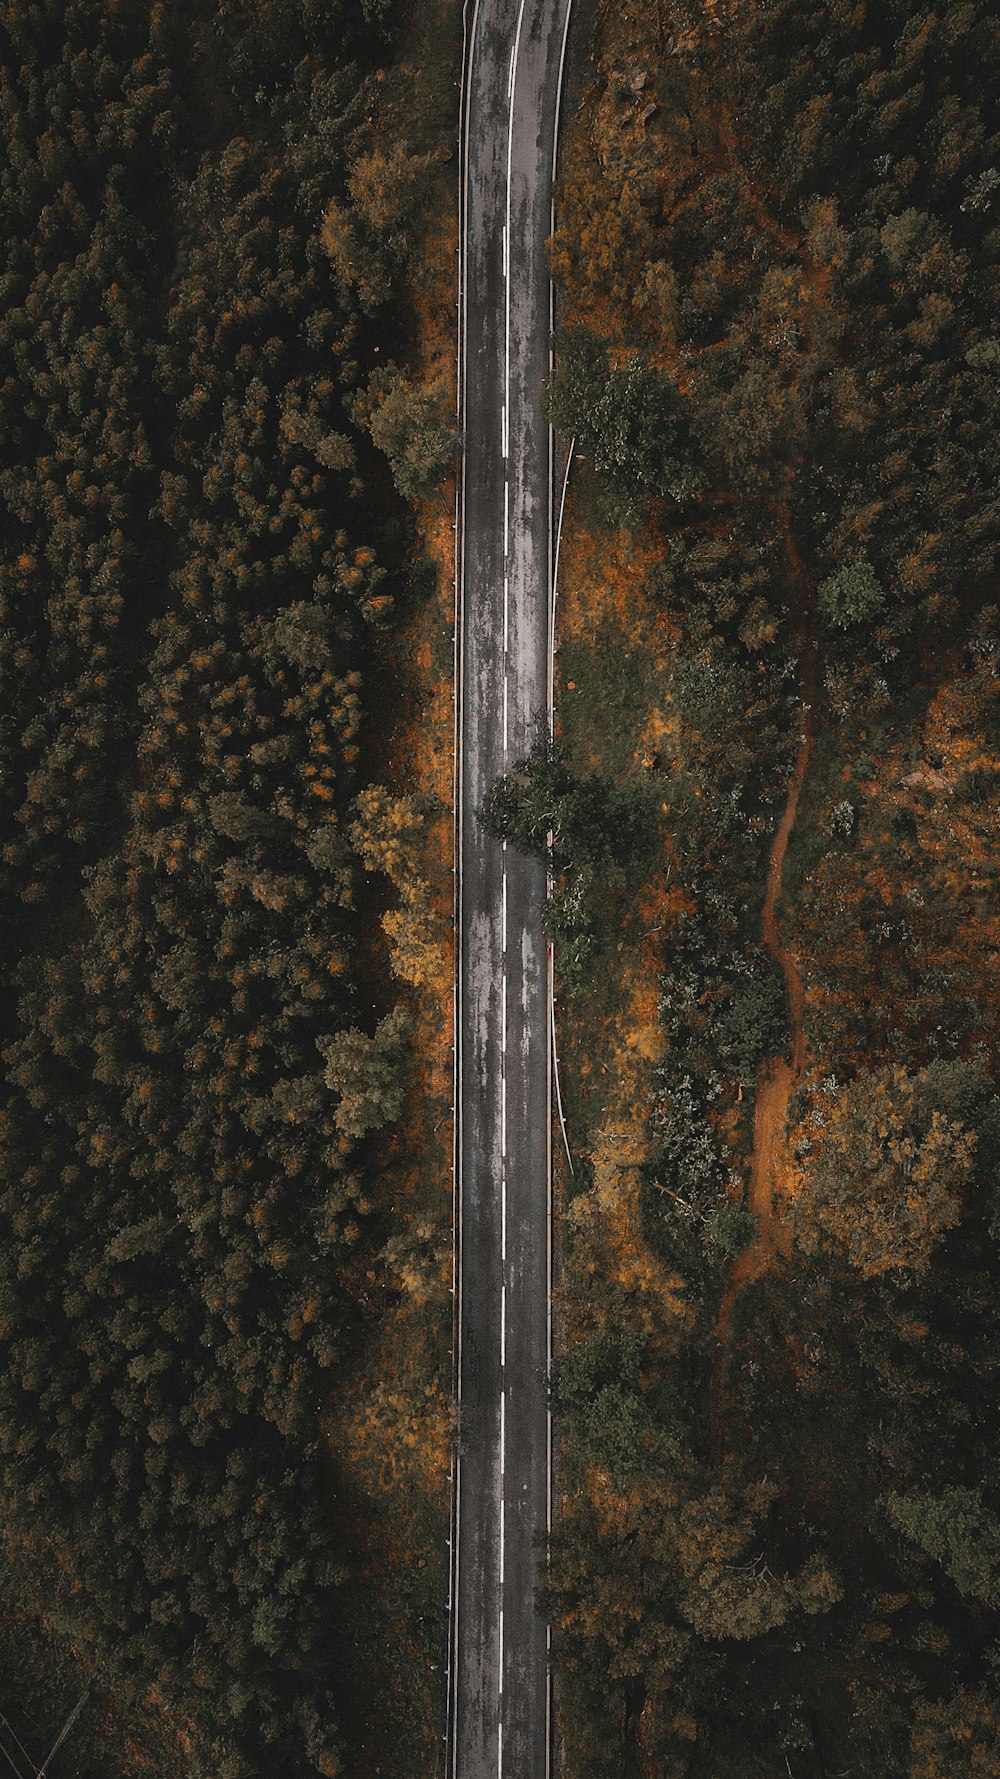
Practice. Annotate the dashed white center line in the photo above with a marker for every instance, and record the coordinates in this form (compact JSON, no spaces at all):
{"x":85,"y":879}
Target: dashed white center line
{"x":507,"y":239}
{"x":503,"y":910}
{"x":505,"y":445}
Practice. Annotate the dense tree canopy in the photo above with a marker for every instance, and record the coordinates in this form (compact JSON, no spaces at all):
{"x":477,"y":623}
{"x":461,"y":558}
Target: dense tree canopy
{"x":886,"y":1174}
{"x":200,"y":553}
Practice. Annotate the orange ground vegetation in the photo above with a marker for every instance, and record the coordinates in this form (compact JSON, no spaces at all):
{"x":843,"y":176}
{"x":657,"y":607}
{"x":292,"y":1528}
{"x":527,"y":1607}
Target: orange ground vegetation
{"x":921,"y":861}
{"x":623,"y":146}
{"x":629,"y":165}
{"x":603,"y":575}
{"x":610,"y":1036}
{"x":399,"y":1431}
{"x":624,"y":163}
{"x":606,"y":1232}
{"x":602,"y":594}
{"x":629,"y":162}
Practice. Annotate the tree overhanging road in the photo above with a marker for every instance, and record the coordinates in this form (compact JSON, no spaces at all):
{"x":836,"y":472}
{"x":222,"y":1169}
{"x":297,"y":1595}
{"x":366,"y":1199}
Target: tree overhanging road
{"x":499,"y":1692}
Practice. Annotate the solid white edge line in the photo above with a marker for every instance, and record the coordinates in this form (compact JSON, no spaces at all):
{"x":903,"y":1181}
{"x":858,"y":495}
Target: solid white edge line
{"x":559,"y":88}
{"x":551,"y":715}
{"x":551,"y":1049}
{"x":510,"y":153}
{"x":469,"y":33}
{"x":555,"y":1076}
{"x":559,"y":528}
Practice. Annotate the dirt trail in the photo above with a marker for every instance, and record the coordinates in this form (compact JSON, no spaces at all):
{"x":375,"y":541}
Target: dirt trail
{"x":776,"y":1078}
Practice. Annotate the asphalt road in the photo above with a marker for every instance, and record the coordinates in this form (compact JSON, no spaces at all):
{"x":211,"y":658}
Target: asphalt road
{"x":499,"y":1692}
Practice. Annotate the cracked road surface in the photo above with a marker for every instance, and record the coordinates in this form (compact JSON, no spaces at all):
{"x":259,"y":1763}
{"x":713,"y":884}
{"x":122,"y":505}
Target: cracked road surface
{"x":499,"y":1691}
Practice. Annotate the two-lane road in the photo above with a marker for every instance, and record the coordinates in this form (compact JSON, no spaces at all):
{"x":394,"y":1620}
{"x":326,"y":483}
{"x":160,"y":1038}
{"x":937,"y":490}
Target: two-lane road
{"x":499,"y":1703}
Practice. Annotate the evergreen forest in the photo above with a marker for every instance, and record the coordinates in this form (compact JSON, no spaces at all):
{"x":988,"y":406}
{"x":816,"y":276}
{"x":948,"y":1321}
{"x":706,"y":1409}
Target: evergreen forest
{"x":202,"y":560}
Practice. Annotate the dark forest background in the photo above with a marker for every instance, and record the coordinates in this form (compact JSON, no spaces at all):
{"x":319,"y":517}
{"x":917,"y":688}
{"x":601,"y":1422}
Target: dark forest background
{"x":202,"y":555}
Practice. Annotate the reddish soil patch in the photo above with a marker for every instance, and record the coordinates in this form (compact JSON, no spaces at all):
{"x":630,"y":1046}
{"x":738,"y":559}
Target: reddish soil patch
{"x":778,"y":1076}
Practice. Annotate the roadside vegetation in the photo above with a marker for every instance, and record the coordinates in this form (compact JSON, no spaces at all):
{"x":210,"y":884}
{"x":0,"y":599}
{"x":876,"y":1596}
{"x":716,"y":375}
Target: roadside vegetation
{"x":777,"y":249}
{"x":224,"y":1215}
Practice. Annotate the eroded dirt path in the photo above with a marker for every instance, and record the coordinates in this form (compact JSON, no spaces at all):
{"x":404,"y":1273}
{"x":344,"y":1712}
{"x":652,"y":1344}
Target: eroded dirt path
{"x":778,"y":1076}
